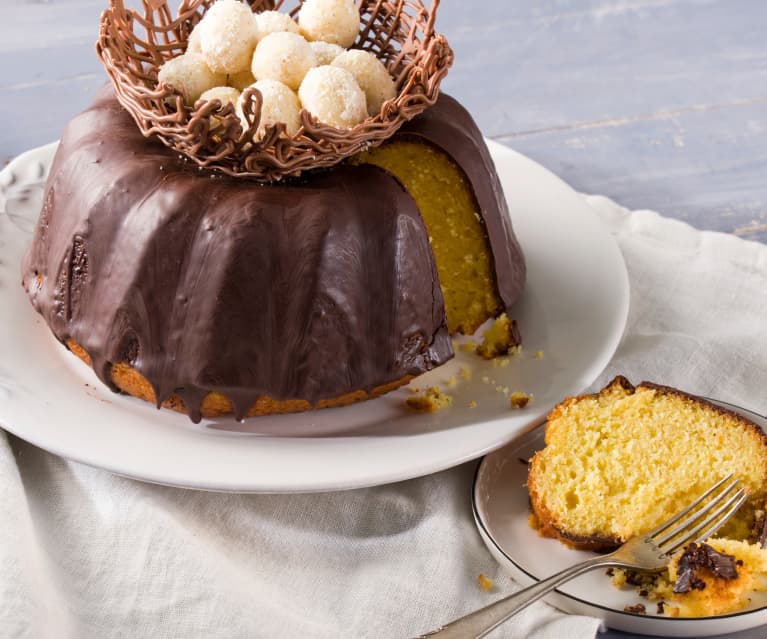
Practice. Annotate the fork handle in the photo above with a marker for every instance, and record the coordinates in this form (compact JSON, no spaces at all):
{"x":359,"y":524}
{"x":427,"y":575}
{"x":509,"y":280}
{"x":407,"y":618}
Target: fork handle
{"x":479,"y":623}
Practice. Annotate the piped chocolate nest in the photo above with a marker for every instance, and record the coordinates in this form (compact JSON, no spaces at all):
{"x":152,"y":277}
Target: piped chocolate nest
{"x":401,"y":34}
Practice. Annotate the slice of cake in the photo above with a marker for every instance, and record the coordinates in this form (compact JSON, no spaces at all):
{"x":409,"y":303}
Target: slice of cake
{"x":619,"y":462}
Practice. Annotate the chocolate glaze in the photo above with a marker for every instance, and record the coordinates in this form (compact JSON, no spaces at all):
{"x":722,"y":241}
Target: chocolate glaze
{"x":307,"y":290}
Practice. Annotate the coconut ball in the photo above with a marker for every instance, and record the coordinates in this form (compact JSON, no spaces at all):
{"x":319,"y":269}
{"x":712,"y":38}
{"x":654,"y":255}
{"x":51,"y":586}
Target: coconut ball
{"x":283,"y":56}
{"x":332,"y":95}
{"x":188,"y":73}
{"x":336,"y":21}
{"x":279,"y":104}
{"x":193,"y":42}
{"x":274,"y":22}
{"x":372,"y":76}
{"x":225,"y":95}
{"x":228,"y":36}
{"x":326,"y":52}
{"x":241,"y":80}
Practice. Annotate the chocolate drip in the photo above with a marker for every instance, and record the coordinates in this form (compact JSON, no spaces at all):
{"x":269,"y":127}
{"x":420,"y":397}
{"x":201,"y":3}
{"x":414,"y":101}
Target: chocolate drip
{"x":202,"y":283}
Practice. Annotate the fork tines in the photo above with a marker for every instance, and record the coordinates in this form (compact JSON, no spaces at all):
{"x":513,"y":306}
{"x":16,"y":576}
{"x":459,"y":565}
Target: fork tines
{"x":725,"y":497}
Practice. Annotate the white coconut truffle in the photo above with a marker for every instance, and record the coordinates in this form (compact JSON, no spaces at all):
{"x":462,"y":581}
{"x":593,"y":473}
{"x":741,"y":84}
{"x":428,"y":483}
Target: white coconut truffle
{"x":280,"y":104}
{"x":285,"y":57}
{"x":371,"y":75}
{"x":241,"y":80}
{"x":336,"y":21}
{"x":189,"y":74}
{"x":332,"y":95}
{"x":225,"y":95}
{"x":326,"y":52}
{"x":228,"y":36}
{"x":274,"y":22}
{"x":193,"y":43}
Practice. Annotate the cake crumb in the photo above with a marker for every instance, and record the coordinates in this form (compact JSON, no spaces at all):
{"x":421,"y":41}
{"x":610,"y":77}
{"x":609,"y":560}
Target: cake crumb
{"x":465,"y":373}
{"x":451,"y":382}
{"x":430,"y":401}
{"x":468,"y":347}
{"x":484,"y":583}
{"x":617,"y":577}
{"x":500,"y":338}
{"x":638,"y":609}
{"x":538,"y":355}
{"x":472,"y":404}
{"x":520,"y":400}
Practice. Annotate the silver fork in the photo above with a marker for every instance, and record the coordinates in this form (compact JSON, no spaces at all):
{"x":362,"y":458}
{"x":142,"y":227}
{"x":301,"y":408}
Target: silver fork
{"x":647,"y":552}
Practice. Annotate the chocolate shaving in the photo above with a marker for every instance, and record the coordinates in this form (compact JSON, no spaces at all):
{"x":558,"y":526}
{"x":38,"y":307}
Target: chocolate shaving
{"x":698,"y":557}
{"x":133,"y":46}
{"x":634,"y":578}
{"x":637,"y":609}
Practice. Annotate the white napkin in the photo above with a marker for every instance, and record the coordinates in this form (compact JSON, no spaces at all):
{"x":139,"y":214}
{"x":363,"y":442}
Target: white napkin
{"x":87,"y":554}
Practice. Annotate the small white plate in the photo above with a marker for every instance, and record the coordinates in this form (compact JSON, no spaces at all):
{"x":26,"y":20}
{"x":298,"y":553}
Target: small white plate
{"x":573,"y":309}
{"x":501,"y":508}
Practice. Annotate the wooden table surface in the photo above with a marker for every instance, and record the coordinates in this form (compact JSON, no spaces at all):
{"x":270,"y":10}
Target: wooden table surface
{"x":658,"y":104}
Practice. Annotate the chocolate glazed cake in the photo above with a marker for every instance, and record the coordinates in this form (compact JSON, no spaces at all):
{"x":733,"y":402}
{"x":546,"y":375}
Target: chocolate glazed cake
{"x":211,"y":294}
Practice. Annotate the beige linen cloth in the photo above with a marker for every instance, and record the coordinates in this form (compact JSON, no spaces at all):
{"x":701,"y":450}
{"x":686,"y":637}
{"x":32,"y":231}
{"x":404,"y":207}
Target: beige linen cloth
{"x":84,"y":553}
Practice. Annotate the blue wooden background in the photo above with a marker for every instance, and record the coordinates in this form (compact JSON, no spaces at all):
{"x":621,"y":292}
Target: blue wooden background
{"x":659,"y":104}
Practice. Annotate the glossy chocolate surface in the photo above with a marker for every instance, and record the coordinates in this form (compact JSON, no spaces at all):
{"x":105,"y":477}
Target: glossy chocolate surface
{"x":307,"y":290}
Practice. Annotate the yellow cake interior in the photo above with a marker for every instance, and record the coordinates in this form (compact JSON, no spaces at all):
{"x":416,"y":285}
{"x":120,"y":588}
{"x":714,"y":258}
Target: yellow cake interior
{"x":618,"y":463}
{"x":456,"y":231}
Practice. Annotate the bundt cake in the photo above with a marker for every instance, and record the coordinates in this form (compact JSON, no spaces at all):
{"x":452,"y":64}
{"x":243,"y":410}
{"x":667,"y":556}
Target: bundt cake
{"x":214,"y":295}
{"x":619,"y":462}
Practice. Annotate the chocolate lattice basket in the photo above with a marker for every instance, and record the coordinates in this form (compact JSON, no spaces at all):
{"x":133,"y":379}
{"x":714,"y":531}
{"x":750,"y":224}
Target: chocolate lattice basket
{"x":132,"y":45}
